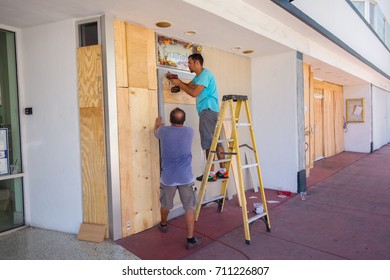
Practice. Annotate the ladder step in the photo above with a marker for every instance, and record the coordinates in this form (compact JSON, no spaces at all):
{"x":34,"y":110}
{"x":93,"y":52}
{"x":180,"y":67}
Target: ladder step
{"x":227,"y":153}
{"x":243,"y":124}
{"x":222,"y":160}
{"x":225,"y":140}
{"x":249,"y":165}
{"x":254,"y":218}
{"x":212,"y":199}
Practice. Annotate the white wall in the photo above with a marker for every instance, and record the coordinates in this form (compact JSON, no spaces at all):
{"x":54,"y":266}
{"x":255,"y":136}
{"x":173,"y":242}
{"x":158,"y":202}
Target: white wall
{"x":380,"y":117}
{"x":358,"y":136}
{"x":274,"y":111}
{"x":52,"y":143}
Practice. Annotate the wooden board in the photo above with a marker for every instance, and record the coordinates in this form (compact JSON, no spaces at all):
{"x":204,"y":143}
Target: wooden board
{"x":141,"y":57}
{"x":339,"y":120}
{"x":318,"y":128}
{"x":94,"y":189}
{"x":329,"y":135}
{"x":139,"y":165}
{"x":93,"y":166}
{"x":92,"y":232}
{"x":120,"y":53}
{"x":90,"y":80}
{"x":176,"y":98}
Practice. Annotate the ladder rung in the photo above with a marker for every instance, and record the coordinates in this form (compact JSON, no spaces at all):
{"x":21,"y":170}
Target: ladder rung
{"x":212,"y":199}
{"x":227,"y":153}
{"x":222,"y":160}
{"x":254,"y":218}
{"x":249,"y":165}
{"x":243,"y":124}
{"x":225,"y":140}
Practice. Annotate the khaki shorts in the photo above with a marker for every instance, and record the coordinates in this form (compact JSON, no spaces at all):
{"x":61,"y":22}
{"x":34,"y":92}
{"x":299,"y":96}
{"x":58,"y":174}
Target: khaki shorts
{"x":207,"y":121}
{"x":186,"y":192}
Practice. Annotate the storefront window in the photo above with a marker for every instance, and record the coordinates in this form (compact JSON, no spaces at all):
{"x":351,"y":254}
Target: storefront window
{"x":11,"y":181}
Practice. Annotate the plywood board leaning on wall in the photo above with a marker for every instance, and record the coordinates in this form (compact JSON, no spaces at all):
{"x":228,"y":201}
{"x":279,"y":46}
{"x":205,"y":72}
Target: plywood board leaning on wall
{"x":137,"y":110}
{"x":92,"y":135}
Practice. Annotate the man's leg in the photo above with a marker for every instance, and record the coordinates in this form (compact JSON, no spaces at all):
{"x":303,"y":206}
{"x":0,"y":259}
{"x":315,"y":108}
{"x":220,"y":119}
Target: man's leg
{"x":164,"y":216}
{"x":190,"y":222}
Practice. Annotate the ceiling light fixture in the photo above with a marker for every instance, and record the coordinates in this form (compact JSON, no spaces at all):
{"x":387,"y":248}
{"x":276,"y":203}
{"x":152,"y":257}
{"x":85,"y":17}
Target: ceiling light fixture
{"x":190,"y":33}
{"x":163,"y":24}
{"x":248,"y":51}
{"x":236,"y":48}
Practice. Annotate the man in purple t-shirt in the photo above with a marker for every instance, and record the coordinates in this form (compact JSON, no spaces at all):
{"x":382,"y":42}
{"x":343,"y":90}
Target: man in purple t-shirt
{"x":176,"y":171}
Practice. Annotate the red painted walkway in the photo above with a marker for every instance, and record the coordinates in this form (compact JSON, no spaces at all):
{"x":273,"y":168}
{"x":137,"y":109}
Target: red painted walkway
{"x":346,"y":216}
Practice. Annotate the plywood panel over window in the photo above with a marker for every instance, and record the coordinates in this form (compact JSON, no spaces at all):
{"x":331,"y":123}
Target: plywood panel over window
{"x":137,"y":110}
{"x":92,"y":135}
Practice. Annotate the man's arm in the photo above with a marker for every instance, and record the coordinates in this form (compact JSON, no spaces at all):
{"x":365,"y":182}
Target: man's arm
{"x":157,"y":124}
{"x":191,"y":89}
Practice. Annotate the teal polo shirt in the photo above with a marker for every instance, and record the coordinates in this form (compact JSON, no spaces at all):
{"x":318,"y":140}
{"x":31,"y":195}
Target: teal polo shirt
{"x":208,"y":98}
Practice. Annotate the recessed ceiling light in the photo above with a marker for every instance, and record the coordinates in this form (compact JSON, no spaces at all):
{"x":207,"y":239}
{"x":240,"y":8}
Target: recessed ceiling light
{"x":247,"y":51}
{"x":190,"y":33}
{"x":236,"y":48}
{"x":163,"y":24}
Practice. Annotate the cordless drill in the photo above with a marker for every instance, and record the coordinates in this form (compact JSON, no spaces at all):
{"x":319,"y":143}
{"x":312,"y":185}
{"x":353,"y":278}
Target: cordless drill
{"x":174,"y":89}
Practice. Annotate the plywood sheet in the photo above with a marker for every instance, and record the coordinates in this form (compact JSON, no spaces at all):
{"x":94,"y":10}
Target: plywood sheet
{"x":339,"y":119}
{"x":176,"y":98}
{"x":94,"y":189}
{"x":141,"y":57}
{"x":93,"y":166}
{"x":139,"y":165}
{"x":120,"y":53}
{"x":329,"y":130}
{"x":90,"y":80}
{"x":92,"y":232}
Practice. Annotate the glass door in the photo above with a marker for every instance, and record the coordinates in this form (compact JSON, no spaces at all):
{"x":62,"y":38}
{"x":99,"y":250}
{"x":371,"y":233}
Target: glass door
{"x":11,"y":176}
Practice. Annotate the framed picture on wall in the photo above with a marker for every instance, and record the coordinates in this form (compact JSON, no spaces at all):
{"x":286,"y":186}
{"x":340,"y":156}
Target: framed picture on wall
{"x":355,"y":110}
{"x":173,"y":53}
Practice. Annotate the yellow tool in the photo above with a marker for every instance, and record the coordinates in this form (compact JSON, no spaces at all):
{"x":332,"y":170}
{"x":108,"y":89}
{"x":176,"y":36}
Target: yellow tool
{"x":234,"y":150}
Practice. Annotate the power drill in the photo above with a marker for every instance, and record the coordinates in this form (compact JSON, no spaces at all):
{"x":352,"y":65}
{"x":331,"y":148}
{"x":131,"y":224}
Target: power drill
{"x":174,"y":89}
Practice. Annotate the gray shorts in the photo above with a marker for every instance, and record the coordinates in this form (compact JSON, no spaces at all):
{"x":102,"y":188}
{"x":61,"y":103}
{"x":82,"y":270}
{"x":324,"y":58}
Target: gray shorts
{"x":207,"y":121}
{"x":186,"y":192}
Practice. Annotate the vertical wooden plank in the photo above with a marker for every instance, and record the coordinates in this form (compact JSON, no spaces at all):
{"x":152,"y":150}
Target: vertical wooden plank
{"x":89,"y":65}
{"x":306,"y":90}
{"x":152,"y":60}
{"x":137,"y":56}
{"x":92,"y":135}
{"x":339,"y":119}
{"x":154,"y":155}
{"x":329,"y":134}
{"x":312,"y":119}
{"x":120,"y":53}
{"x":318,"y":128}
{"x":144,"y":194}
{"x":125,"y":159}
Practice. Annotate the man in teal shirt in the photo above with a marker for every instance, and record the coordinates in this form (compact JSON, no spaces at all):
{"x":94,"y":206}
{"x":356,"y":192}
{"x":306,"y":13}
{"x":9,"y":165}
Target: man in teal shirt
{"x":204,"y":88}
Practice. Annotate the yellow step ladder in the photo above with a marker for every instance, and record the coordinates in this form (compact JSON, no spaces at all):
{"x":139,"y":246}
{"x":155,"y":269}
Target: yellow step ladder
{"x":228,"y":102}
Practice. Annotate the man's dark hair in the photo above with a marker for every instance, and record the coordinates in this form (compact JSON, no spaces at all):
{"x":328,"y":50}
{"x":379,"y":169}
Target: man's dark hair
{"x":198,"y":57}
{"x":177,"y":116}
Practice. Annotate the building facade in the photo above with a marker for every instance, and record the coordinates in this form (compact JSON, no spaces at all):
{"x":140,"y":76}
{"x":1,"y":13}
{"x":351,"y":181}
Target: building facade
{"x":80,"y":148}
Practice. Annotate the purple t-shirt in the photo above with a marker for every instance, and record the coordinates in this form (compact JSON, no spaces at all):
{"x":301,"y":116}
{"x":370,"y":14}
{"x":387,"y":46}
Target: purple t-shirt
{"x":176,"y":156}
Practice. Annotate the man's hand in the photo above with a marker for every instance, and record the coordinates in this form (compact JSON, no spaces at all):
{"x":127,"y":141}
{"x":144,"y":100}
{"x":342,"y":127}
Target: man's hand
{"x":158,"y":123}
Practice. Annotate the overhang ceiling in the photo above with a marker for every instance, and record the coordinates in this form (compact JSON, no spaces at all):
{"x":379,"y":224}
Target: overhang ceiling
{"x":212,"y":30}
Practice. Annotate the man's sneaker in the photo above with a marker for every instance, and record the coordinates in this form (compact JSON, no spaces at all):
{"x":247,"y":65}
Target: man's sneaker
{"x":212,"y":178}
{"x":163,"y":228}
{"x":221,"y":175}
{"x":198,"y":241}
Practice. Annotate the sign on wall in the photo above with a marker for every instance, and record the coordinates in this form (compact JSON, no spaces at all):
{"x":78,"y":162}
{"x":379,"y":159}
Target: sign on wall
{"x":174,"y":53}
